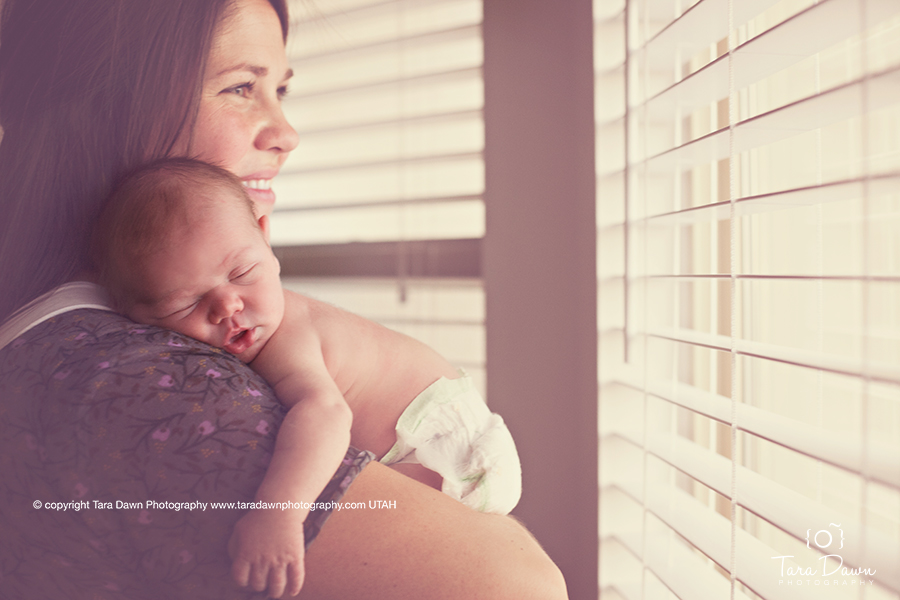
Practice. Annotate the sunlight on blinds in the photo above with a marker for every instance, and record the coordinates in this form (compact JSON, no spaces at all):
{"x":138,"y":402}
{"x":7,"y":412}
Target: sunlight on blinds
{"x":387,"y":97}
{"x":748,"y":190}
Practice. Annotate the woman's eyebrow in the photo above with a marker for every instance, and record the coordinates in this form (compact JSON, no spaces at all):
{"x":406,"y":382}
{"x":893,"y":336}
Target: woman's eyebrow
{"x":255,"y":69}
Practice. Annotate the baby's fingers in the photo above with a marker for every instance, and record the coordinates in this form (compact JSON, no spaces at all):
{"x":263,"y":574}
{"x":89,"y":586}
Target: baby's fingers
{"x":295,"y":578}
{"x":259,"y":576}
{"x":277,"y":581}
{"x":240,"y":572}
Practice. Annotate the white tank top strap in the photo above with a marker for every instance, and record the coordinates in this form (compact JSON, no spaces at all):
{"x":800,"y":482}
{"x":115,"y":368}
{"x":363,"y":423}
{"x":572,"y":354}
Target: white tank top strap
{"x":69,"y":296}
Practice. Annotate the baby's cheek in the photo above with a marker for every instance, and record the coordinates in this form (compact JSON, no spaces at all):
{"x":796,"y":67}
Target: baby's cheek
{"x":204,"y":335}
{"x":192,"y":327}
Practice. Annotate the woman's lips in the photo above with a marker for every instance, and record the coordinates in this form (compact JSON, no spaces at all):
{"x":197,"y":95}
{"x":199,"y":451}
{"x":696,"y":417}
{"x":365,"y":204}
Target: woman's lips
{"x":260,"y":192}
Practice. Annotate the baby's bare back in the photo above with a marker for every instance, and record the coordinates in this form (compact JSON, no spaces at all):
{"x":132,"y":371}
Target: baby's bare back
{"x":379,"y":371}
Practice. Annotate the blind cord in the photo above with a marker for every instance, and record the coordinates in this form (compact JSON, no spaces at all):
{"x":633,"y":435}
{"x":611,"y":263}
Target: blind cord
{"x":732,"y":196}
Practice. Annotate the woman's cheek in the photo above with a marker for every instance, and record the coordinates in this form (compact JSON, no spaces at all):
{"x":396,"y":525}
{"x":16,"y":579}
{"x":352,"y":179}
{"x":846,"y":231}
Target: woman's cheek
{"x":222,"y":138}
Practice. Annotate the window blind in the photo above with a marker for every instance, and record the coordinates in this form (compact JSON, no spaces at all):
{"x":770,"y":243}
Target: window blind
{"x":387,"y":97}
{"x":748,"y":196}
{"x":380,"y":207}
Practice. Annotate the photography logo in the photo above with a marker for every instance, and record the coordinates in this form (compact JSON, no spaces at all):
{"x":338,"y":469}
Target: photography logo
{"x":815,"y":539}
{"x":831,"y":571}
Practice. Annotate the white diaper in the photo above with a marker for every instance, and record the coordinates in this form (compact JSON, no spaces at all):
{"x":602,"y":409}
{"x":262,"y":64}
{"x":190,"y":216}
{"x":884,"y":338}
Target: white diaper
{"x":449,"y":429}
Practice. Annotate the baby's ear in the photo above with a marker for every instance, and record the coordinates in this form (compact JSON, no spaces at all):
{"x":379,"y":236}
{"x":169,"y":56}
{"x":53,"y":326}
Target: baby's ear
{"x":264,"y":225}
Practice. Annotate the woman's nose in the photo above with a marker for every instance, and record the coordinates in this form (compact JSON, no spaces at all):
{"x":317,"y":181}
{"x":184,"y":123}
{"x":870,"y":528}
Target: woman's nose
{"x":276,"y":133}
{"x":225,"y":306}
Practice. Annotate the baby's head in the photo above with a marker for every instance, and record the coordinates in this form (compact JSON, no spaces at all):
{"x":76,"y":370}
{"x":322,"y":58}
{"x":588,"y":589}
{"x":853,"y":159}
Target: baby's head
{"x":178,"y":245}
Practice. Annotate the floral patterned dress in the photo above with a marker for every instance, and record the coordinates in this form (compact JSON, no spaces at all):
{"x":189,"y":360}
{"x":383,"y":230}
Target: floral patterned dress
{"x":100,"y":418}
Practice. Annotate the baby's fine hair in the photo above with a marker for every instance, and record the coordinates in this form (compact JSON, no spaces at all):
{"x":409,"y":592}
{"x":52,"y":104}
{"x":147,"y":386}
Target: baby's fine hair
{"x":145,"y":206}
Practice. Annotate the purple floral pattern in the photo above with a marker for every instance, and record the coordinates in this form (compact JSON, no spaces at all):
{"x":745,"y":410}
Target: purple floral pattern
{"x":96,"y":408}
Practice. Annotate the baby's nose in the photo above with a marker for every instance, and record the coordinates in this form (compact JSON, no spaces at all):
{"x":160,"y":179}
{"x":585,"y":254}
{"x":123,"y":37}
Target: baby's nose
{"x":226,"y":306}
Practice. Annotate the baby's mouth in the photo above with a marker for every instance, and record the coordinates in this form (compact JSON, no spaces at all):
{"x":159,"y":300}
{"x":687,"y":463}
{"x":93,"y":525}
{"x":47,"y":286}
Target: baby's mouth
{"x":240,"y":341}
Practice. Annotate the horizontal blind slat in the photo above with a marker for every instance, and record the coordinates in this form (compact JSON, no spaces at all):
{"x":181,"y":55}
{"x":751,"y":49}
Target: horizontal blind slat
{"x":700,"y":88}
{"x":393,"y":202}
{"x":697,"y":27}
{"x":710,"y":532}
{"x":808,"y":114}
{"x":885,"y":372}
{"x":800,"y":36}
{"x":803,"y":35}
{"x":680,"y":569}
{"x":423,"y":221}
{"x":831,"y":191}
{"x":875,"y":185}
{"x":752,"y":277}
{"x":882,"y":462}
{"x":372,"y":86}
{"x":622,"y":592}
{"x":685,"y":573}
{"x":325,"y":31}
{"x":307,"y":12}
{"x":450,"y":116}
{"x":434,"y":158}
{"x":408,"y":41}
{"x":790,"y":511}
{"x":425,"y":180}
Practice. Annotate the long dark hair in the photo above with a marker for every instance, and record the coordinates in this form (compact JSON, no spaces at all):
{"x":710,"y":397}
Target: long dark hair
{"x":89,"y":89}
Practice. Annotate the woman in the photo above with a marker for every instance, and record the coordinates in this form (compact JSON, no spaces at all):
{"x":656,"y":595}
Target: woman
{"x":116,"y":438}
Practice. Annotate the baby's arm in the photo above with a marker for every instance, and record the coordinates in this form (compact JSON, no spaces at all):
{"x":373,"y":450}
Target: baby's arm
{"x":267,"y":545}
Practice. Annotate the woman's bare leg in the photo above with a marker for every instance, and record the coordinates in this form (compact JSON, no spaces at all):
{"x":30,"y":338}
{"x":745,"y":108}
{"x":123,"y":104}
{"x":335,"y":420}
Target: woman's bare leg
{"x":420,"y":474}
{"x":427,"y":546}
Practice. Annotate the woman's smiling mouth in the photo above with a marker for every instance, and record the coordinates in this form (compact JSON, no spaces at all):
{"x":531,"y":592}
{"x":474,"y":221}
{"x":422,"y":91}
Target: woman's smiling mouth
{"x":260,"y":192}
{"x":257,"y":184}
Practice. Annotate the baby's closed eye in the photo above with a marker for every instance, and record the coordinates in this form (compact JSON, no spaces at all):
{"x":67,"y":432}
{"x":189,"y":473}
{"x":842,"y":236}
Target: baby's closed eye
{"x":244,"y":274}
{"x":180,"y":310}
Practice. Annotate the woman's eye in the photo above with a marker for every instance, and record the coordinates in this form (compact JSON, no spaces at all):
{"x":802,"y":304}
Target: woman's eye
{"x":241,"y":90}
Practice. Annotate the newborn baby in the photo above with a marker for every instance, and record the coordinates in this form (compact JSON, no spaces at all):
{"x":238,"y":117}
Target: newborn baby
{"x":179,"y":246}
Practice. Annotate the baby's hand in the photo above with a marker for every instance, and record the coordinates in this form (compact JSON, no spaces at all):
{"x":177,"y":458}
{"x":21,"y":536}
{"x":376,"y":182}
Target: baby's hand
{"x":266,"y":550}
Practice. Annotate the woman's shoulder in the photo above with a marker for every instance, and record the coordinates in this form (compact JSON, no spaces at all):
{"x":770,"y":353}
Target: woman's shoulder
{"x":101,"y":346}
{"x":95,"y":408}
{"x":102,"y":370}
{"x":104,"y":373}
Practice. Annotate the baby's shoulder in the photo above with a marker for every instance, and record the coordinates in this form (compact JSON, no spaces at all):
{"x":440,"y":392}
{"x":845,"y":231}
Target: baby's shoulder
{"x":319,"y":316}
{"x":340,"y":335}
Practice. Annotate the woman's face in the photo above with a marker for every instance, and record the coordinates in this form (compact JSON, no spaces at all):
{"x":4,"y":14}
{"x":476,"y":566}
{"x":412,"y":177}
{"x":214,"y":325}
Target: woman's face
{"x":240,"y":125}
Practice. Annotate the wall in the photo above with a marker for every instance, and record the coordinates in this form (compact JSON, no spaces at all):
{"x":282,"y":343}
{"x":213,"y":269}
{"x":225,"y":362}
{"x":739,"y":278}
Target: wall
{"x":539,"y":267}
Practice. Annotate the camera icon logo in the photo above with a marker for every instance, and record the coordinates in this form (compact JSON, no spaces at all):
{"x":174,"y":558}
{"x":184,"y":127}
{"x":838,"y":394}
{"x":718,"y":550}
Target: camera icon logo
{"x":824,"y":538}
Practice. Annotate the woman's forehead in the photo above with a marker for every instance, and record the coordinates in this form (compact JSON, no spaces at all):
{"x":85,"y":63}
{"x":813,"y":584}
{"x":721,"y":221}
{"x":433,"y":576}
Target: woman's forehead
{"x":249,"y":36}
